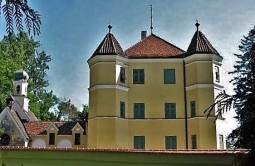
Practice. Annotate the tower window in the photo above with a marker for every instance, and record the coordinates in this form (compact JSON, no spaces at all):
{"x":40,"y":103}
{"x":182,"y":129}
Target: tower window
{"x":193,"y":142}
{"x":171,"y":142}
{"x":169,"y":76}
{"x":139,"y":110}
{"x":77,"y":139}
{"x":122,"y":75}
{"x":52,"y":139}
{"x":139,"y":142}
{"x":192,"y":109}
{"x":122,"y":109}
{"x":217,"y":74}
{"x":221,"y":141}
{"x":170,"y":110}
{"x":18,"y":89}
{"x":138,"y":76}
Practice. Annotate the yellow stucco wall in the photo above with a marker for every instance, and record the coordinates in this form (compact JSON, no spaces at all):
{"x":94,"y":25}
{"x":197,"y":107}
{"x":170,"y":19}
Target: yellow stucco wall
{"x":107,"y":130}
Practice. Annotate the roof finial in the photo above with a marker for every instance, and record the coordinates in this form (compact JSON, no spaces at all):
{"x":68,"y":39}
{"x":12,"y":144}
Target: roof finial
{"x":151,"y":19}
{"x":197,"y":24}
{"x":110,"y":27}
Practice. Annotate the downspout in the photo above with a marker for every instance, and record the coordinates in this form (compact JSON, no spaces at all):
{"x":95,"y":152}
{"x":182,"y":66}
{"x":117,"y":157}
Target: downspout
{"x":185,"y":105}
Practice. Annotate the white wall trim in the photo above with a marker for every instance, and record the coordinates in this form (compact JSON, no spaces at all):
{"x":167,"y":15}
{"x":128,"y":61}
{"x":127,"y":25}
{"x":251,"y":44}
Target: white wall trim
{"x":215,"y":86}
{"x":108,"y":87}
{"x":114,"y":58}
{"x":208,"y":61}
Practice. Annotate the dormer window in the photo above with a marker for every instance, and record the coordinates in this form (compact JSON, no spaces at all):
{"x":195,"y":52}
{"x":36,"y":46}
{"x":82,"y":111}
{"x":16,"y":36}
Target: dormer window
{"x":52,"y":139}
{"x":77,"y":139}
{"x":122,"y":75}
{"x":217,"y":74}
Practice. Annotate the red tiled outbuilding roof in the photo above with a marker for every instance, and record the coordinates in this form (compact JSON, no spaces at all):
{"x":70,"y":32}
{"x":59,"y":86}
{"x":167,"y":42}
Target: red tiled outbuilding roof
{"x":153,"y":47}
{"x":40,"y":127}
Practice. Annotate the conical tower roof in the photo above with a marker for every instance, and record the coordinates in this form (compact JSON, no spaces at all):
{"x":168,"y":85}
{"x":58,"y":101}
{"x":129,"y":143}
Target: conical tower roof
{"x":200,"y":45}
{"x":109,"y":46}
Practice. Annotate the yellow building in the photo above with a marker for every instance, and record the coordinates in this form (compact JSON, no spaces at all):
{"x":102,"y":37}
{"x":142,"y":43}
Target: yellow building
{"x":153,"y":95}
{"x":150,"y":96}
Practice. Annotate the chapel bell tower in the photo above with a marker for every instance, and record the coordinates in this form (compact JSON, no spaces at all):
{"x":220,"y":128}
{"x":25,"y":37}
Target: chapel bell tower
{"x":20,"y":91}
{"x":20,"y":83}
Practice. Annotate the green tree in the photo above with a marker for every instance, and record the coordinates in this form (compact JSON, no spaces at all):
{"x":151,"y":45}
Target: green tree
{"x":83,"y":115}
{"x":21,"y":52}
{"x":66,"y":109}
{"x":19,"y":11}
{"x":243,"y":101}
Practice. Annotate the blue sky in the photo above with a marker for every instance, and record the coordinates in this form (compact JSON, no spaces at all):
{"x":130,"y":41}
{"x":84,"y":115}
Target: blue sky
{"x":72,"y":29}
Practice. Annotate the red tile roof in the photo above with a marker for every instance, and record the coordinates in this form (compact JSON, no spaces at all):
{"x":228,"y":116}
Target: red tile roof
{"x":200,"y":44}
{"x":153,"y":47}
{"x":184,"y":151}
{"x":109,"y":46}
{"x":40,"y":127}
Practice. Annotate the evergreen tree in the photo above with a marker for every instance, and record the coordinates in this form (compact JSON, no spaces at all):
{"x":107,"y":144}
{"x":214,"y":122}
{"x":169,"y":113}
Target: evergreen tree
{"x":243,"y":101}
{"x":19,"y":11}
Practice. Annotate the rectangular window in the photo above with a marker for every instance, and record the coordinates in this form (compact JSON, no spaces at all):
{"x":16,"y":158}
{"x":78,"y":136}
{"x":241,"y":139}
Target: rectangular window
{"x":52,"y":139}
{"x":138,"y":76}
{"x":169,"y":76}
{"x":171,"y":142}
{"x":192,"y":109}
{"x":217,"y":74}
{"x":170,"y":110}
{"x":122,"y":109}
{"x":139,"y":142}
{"x":122,"y":75}
{"x":77,"y":139}
{"x":221,"y":141}
{"x":139,"y":110}
{"x":193,"y":142}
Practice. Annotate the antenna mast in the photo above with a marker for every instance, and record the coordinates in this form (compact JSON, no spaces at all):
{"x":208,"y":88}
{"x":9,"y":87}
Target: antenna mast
{"x":151,"y":19}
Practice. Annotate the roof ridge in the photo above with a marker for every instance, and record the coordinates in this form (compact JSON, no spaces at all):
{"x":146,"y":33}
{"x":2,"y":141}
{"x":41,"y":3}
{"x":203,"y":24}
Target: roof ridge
{"x":153,"y":46}
{"x":169,"y":42}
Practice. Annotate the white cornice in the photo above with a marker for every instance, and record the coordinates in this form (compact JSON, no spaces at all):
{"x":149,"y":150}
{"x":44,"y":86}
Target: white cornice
{"x":203,"y":57}
{"x":197,"y":62}
{"x":117,"y":58}
{"x":108,"y":87}
{"x":215,"y":86}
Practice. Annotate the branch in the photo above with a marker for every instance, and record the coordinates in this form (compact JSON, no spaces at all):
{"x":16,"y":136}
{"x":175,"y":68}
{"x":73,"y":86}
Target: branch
{"x":223,"y":102}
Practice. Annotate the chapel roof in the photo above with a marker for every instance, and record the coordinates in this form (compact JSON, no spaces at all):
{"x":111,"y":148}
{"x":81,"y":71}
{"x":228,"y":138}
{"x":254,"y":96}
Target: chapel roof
{"x":40,"y":127}
{"x":153,"y":47}
{"x":200,"y":44}
{"x":109,"y":46}
{"x":18,"y":122}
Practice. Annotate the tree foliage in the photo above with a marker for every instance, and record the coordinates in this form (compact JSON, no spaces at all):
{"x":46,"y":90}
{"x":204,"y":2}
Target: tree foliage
{"x":22,"y":52}
{"x":83,"y":115}
{"x":18,"y":11}
{"x":243,"y":101}
{"x":66,"y":111}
